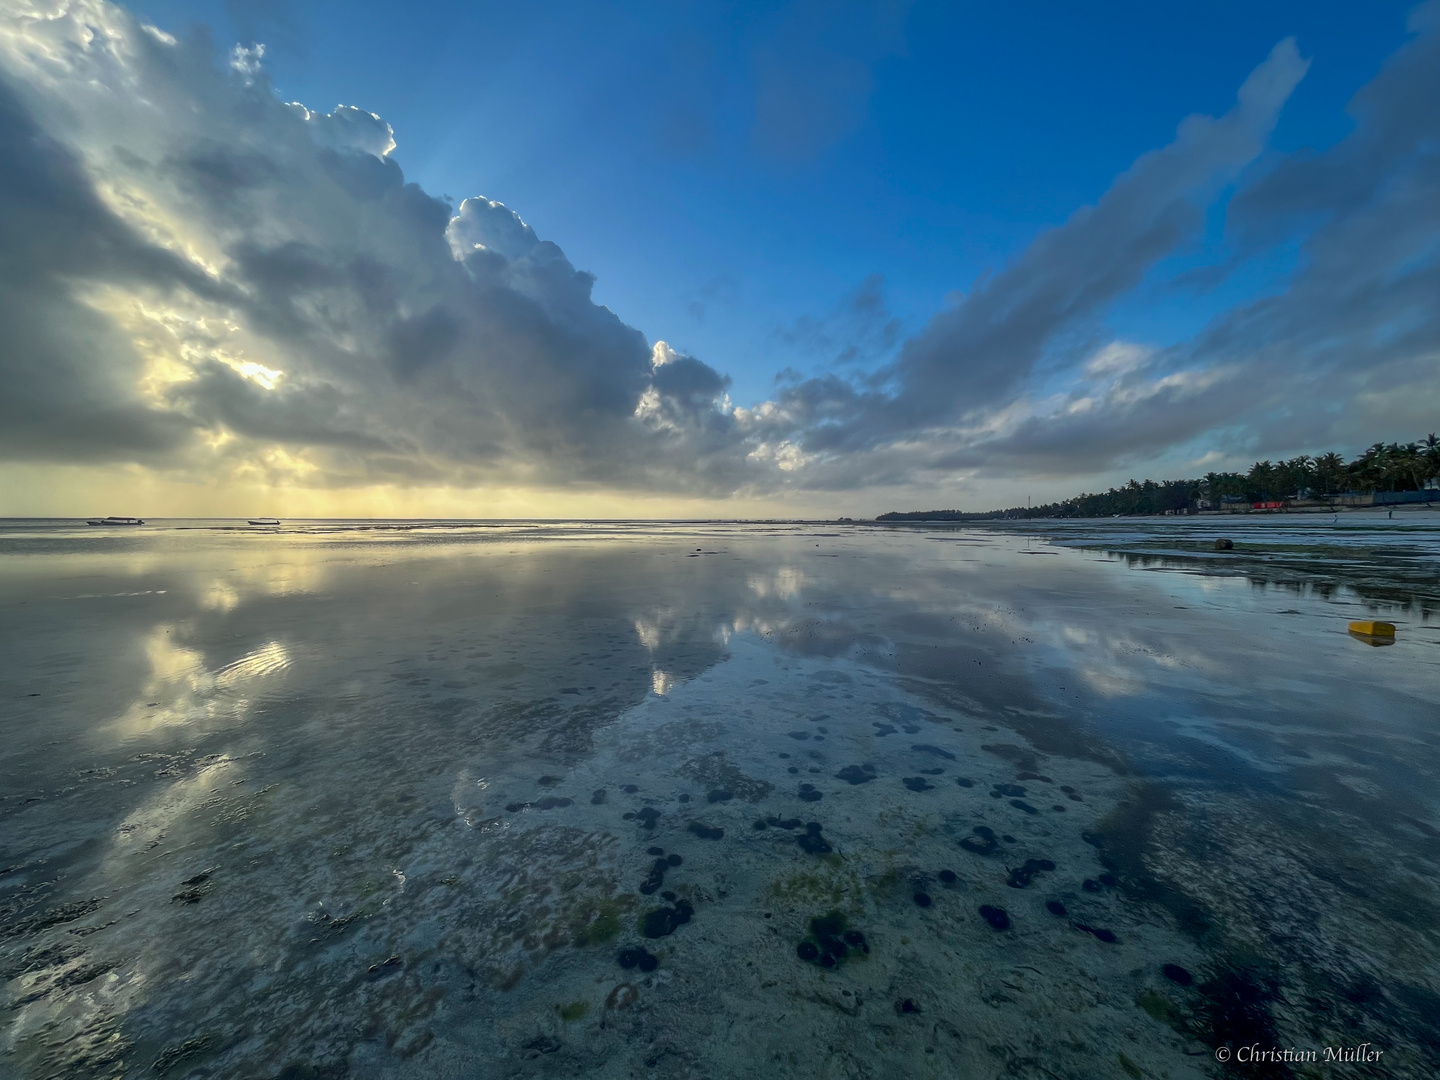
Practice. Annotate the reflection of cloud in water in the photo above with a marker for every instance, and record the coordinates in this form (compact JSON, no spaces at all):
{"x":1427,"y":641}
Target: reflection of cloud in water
{"x":784,"y":584}
{"x":219,"y":596}
{"x":648,"y":633}
{"x":181,"y":688}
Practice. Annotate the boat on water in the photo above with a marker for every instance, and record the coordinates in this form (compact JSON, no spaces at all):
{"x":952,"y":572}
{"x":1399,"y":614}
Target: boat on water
{"x":264,"y":521}
{"x":116,"y":521}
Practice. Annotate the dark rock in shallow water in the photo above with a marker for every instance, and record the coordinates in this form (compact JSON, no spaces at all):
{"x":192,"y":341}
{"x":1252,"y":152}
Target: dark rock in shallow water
{"x":812,"y":842}
{"x":830,"y":941}
{"x":674,"y":859}
{"x":907,"y":1005}
{"x":1007,"y":838}
{"x":597,"y":798}
{"x":628,"y":958}
{"x":918,"y":783}
{"x":1107,"y":936}
{"x":1091,"y":885}
{"x":515,"y":807}
{"x":947,"y":876}
{"x":548,"y":781}
{"x":630,"y":789}
{"x":1108,"y":879}
{"x":809,"y":794}
{"x":856,"y":774}
{"x":882,"y":729}
{"x":926,"y":748}
{"x":1020,"y":804}
{"x":784,"y":823}
{"x":1177,"y":974}
{"x":931,"y":772}
{"x":792,"y":769}
{"x":982,"y":843}
{"x":682,"y":798}
{"x":760,"y":825}
{"x":1033,"y":776}
{"x":800,"y":735}
{"x":668,"y":895}
{"x":922,"y":899}
{"x":995,"y":916}
{"x":1020,"y":877}
{"x":665,"y":921}
{"x":719,"y":795}
{"x":656,"y":878}
{"x":647,"y":816}
{"x":705,"y":832}
{"x":1055,"y":907}
{"x":655,"y":851}
{"x":1008,"y":791}
{"x":964,"y":781}
{"x":648,"y":961}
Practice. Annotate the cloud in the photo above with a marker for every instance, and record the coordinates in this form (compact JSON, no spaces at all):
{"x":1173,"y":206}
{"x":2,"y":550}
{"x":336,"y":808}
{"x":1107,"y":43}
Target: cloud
{"x":172,"y":228}
{"x":201,"y":278}
{"x":859,"y":330}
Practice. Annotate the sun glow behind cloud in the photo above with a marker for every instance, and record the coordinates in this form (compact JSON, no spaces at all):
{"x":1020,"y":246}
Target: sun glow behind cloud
{"x":216,"y":299}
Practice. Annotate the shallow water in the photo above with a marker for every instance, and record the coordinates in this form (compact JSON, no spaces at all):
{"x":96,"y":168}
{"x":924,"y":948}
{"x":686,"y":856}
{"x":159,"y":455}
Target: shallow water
{"x":379,"y":799}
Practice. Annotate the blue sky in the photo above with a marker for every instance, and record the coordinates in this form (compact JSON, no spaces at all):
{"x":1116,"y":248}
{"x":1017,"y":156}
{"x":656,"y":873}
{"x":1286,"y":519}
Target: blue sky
{"x":629,"y":134}
{"x":795,"y":257}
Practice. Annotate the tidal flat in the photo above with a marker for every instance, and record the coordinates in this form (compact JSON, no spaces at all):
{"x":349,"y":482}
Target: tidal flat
{"x":347,"y":800}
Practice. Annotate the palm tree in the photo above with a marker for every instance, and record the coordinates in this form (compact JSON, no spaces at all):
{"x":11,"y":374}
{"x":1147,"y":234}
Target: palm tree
{"x":1430,"y":451}
{"x":1328,"y":470}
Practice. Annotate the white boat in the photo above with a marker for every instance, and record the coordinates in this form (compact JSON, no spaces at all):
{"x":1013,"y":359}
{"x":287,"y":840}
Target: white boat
{"x":116,"y":521}
{"x":264,"y":521}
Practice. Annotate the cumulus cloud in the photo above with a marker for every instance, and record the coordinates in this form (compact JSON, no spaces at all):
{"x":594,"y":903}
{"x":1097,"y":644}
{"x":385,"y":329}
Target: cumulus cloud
{"x":198,"y":272}
{"x":200,"y":277}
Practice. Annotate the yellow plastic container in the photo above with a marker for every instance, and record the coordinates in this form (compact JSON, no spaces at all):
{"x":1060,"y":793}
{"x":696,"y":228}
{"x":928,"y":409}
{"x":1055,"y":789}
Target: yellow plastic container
{"x":1373,"y":629}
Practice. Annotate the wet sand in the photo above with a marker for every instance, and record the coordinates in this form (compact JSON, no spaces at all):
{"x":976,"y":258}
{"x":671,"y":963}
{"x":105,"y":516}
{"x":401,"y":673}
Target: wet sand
{"x":715,"y":800}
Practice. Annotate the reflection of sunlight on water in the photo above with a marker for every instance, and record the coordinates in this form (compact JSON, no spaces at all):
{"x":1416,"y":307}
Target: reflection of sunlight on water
{"x":266,"y":660}
{"x":661,"y":683}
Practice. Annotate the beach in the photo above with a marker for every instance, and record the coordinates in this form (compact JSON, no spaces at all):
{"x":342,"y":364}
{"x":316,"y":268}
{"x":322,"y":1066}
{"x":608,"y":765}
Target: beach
{"x":561,"y":799}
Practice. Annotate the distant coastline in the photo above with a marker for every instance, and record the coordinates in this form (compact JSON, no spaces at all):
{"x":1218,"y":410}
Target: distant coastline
{"x":1386,"y":474}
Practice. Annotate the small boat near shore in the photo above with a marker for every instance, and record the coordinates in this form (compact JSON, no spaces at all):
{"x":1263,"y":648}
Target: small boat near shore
{"x":264,"y":521}
{"x":116,"y":521}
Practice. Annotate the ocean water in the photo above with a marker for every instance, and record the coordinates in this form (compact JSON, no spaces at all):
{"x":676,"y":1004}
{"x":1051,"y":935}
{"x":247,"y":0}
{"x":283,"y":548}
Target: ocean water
{"x":448,"y":799}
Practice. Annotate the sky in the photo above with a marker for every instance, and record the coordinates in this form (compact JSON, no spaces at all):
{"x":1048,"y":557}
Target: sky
{"x":690,"y":259}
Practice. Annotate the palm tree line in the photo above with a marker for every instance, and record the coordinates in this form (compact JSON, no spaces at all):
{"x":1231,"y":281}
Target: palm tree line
{"x":1381,"y":467}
